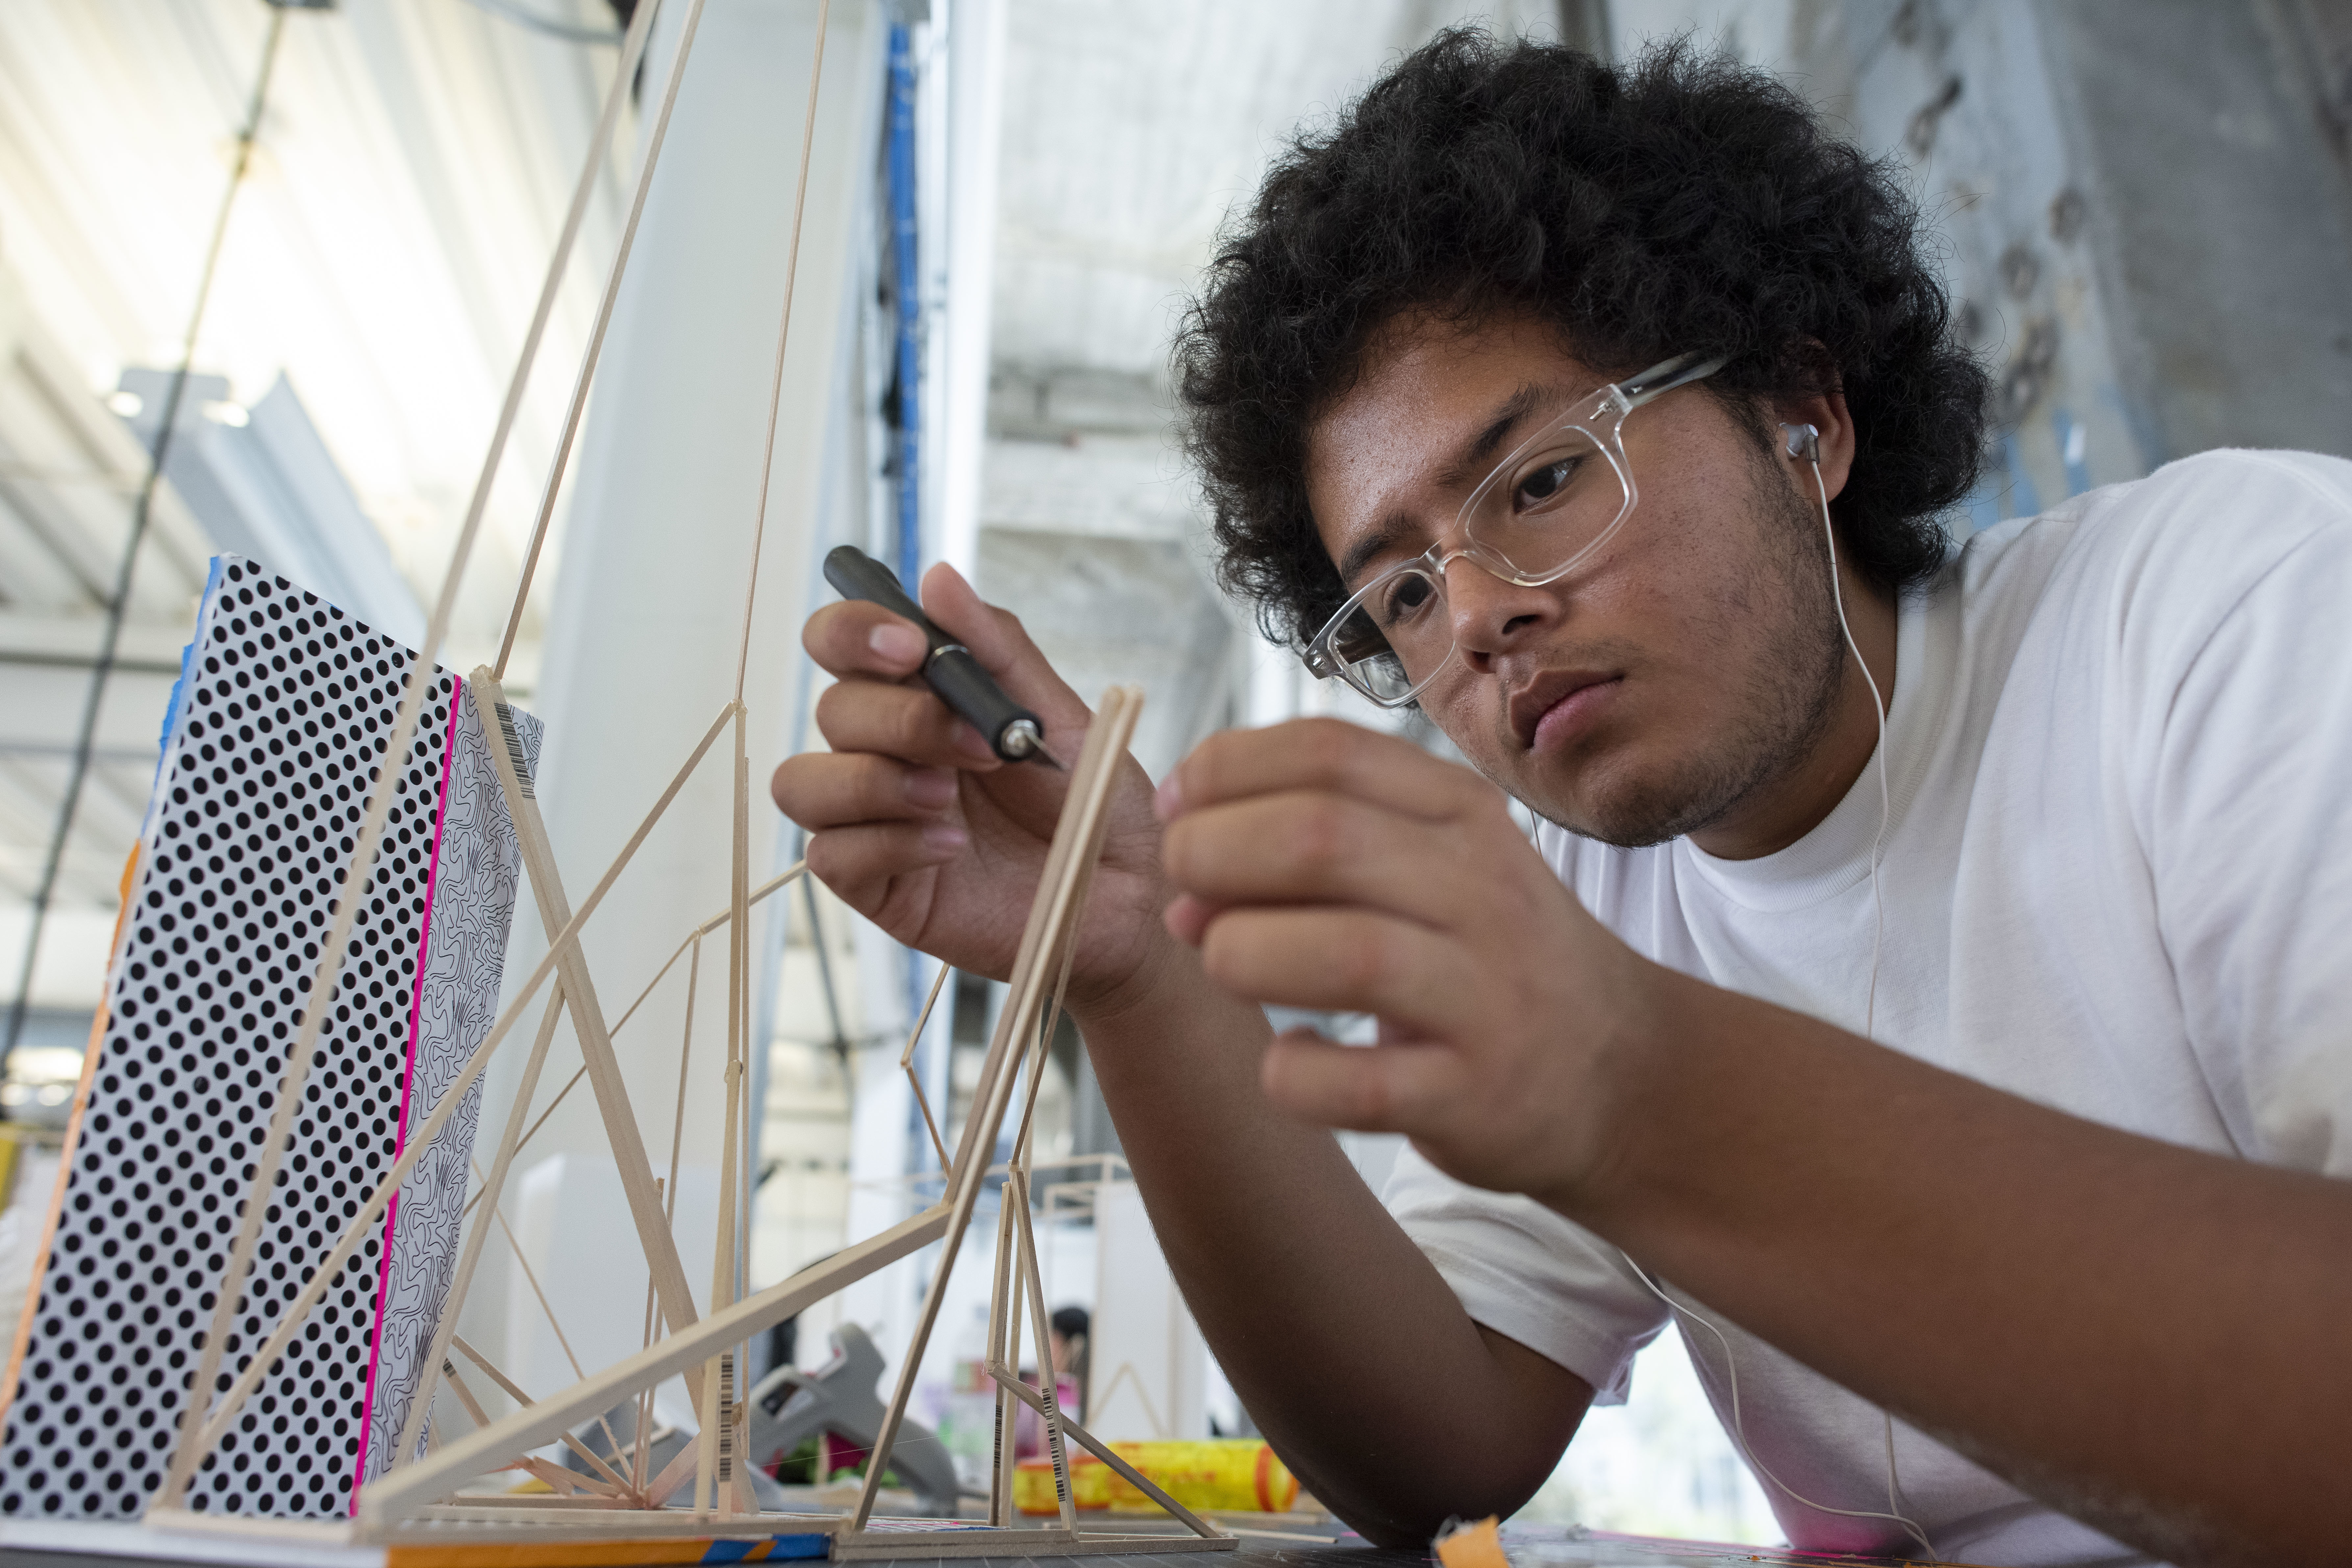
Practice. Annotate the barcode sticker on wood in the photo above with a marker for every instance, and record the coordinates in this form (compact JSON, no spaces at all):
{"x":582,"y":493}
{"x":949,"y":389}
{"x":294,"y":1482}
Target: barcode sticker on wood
{"x":514,"y":751}
{"x":729,"y":1413}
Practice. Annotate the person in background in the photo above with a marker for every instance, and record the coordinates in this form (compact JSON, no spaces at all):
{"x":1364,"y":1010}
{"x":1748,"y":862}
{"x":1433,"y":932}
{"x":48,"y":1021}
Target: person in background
{"x":1068,"y":1342}
{"x":1066,"y":1339}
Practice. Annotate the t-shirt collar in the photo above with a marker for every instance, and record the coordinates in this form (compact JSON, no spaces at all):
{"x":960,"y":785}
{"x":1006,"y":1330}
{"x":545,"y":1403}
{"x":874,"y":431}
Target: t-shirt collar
{"x":1835,"y":855}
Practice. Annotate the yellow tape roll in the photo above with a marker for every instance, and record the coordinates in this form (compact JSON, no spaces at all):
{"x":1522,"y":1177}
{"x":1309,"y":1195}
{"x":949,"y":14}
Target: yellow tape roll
{"x":1233,"y":1474}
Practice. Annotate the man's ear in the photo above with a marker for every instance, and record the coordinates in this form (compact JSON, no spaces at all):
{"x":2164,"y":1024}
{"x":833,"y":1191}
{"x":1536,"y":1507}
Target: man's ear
{"x":1831,"y":443}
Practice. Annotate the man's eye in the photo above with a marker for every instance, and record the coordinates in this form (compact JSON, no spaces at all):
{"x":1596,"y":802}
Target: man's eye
{"x":1546,"y":483}
{"x":1406,"y":597}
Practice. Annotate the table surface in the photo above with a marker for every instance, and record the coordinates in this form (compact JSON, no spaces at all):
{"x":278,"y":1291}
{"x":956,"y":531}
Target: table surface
{"x":1594,"y":1551}
{"x":123,"y":1545}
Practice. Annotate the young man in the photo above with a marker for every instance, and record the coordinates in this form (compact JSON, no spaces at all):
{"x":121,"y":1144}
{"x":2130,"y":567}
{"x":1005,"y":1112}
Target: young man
{"x":1974,"y":1097}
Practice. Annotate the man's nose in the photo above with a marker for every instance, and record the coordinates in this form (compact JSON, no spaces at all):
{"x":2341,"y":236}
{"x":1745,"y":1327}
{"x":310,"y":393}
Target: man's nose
{"x":1490,"y":614}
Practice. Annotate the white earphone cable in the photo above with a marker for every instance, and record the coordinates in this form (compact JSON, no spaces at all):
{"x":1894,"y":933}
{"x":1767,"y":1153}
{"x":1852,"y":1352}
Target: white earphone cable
{"x":1877,"y":848}
{"x":1878,"y":756}
{"x":1739,"y":1429}
{"x":1802,"y":442}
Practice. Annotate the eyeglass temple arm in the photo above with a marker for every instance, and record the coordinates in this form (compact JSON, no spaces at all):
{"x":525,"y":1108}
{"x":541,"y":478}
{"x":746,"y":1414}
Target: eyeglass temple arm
{"x":1667,"y":375}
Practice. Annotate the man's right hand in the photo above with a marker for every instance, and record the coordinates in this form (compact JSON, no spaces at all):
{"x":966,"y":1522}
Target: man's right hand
{"x":917,"y":827}
{"x":1353,"y":1354}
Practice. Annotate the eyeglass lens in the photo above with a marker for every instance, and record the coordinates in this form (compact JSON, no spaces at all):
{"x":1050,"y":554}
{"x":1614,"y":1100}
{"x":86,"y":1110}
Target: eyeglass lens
{"x":1556,"y":499}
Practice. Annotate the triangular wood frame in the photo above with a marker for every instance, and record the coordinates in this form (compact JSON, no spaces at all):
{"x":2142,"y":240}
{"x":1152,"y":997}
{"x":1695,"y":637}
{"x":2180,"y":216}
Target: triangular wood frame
{"x":413,"y":1503}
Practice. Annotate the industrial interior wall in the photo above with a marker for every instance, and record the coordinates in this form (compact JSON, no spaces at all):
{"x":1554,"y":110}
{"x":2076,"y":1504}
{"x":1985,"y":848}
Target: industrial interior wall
{"x":2146,"y":205}
{"x":649,"y":598}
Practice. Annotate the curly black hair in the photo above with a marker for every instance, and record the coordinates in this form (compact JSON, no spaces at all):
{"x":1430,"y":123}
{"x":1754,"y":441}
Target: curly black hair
{"x":1682,"y":202}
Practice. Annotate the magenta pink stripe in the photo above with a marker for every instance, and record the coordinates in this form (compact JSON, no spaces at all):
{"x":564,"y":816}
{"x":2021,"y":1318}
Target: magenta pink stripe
{"x":407,"y":1082}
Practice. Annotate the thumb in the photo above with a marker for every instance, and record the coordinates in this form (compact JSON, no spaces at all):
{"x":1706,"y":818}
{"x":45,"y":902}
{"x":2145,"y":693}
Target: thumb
{"x":996,"y":638}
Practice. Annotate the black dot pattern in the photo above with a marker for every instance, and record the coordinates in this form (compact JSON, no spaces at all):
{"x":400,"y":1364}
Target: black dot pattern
{"x":285,"y":710}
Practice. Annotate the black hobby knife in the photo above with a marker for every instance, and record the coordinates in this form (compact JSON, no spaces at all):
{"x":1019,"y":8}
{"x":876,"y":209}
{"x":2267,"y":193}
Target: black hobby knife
{"x":1011,"y":730}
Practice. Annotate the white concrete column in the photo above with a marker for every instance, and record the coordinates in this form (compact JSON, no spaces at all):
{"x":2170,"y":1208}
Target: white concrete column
{"x":975,"y":116}
{"x":650,"y":596}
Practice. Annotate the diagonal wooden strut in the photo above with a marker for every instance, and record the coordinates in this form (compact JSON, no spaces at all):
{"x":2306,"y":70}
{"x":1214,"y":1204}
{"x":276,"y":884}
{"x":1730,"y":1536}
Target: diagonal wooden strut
{"x":907,"y":1066}
{"x":1016,"y":1186}
{"x":1060,"y":1419}
{"x":783,"y":878}
{"x":389,"y":1498}
{"x":587,"y":370}
{"x":587,"y":1016}
{"x":507,"y":1386}
{"x":1077,"y":839}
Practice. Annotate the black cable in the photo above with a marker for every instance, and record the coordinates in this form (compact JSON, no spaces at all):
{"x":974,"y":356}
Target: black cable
{"x":142,"y":512}
{"x":824,"y":975}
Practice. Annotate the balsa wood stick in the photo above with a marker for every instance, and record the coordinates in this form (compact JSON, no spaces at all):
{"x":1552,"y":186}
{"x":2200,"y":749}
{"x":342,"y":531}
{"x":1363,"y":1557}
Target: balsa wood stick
{"x":1109,"y":1455}
{"x":600,"y":146}
{"x":712,"y":1442}
{"x":773,"y":884}
{"x":587,"y":372}
{"x":907,"y":1066}
{"x":1017,"y":1166}
{"x":474,"y":1410}
{"x":1033,"y":933}
{"x":721,"y":1443}
{"x":783,"y":880}
{"x":1000,"y":1433}
{"x":1008,"y":1347}
{"x":1042,"y":1049}
{"x":514,"y":1390}
{"x":1018,"y":1184}
{"x":1016,"y":1187}
{"x":211,"y":1431}
{"x":1089,"y":789}
{"x":588,"y":1018}
{"x":669,"y":1199}
{"x":995,"y":1082}
{"x":392,"y":1497}
{"x":1058,"y":1421}
{"x":461,"y":1284}
{"x":530,"y":1277}
{"x":674,"y":1473}
{"x":556,"y":1475}
{"x":783,"y":337}
{"x":1004,"y":1306}
{"x":739,"y":988}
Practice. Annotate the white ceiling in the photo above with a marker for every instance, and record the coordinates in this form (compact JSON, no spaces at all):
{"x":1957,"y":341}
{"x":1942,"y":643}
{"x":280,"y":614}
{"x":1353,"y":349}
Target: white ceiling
{"x":384,"y":255}
{"x":1131,"y":130}
{"x":386,"y":250}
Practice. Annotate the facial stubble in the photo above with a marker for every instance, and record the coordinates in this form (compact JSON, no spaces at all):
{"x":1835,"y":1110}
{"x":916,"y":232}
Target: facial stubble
{"x":1787,"y":698}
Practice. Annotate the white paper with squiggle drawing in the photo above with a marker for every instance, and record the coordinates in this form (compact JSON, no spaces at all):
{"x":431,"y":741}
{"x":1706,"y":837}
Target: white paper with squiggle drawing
{"x":473,"y":906}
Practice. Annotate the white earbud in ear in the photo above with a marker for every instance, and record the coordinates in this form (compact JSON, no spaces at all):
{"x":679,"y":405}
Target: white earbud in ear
{"x":1801,"y":441}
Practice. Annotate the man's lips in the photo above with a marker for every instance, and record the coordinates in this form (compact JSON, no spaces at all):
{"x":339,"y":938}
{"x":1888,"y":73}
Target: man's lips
{"x":1553,"y":708}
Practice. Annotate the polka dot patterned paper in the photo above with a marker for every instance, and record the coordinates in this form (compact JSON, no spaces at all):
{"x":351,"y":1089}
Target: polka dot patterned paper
{"x":277,"y":733}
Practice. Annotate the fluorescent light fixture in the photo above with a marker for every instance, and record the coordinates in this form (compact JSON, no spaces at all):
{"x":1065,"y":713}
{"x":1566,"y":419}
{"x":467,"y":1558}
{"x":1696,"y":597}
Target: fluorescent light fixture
{"x":260,"y":482}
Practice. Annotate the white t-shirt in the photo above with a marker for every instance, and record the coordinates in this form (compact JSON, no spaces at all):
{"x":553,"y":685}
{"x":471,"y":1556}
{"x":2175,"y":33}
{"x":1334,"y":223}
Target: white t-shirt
{"x":2117,"y":880}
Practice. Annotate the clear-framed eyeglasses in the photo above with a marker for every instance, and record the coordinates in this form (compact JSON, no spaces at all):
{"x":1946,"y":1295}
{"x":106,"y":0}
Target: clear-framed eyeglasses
{"x":1559,"y":497}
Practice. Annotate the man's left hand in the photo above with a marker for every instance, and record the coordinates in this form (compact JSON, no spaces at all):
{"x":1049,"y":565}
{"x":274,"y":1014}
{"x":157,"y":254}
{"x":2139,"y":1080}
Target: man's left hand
{"x":1325,"y":866}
